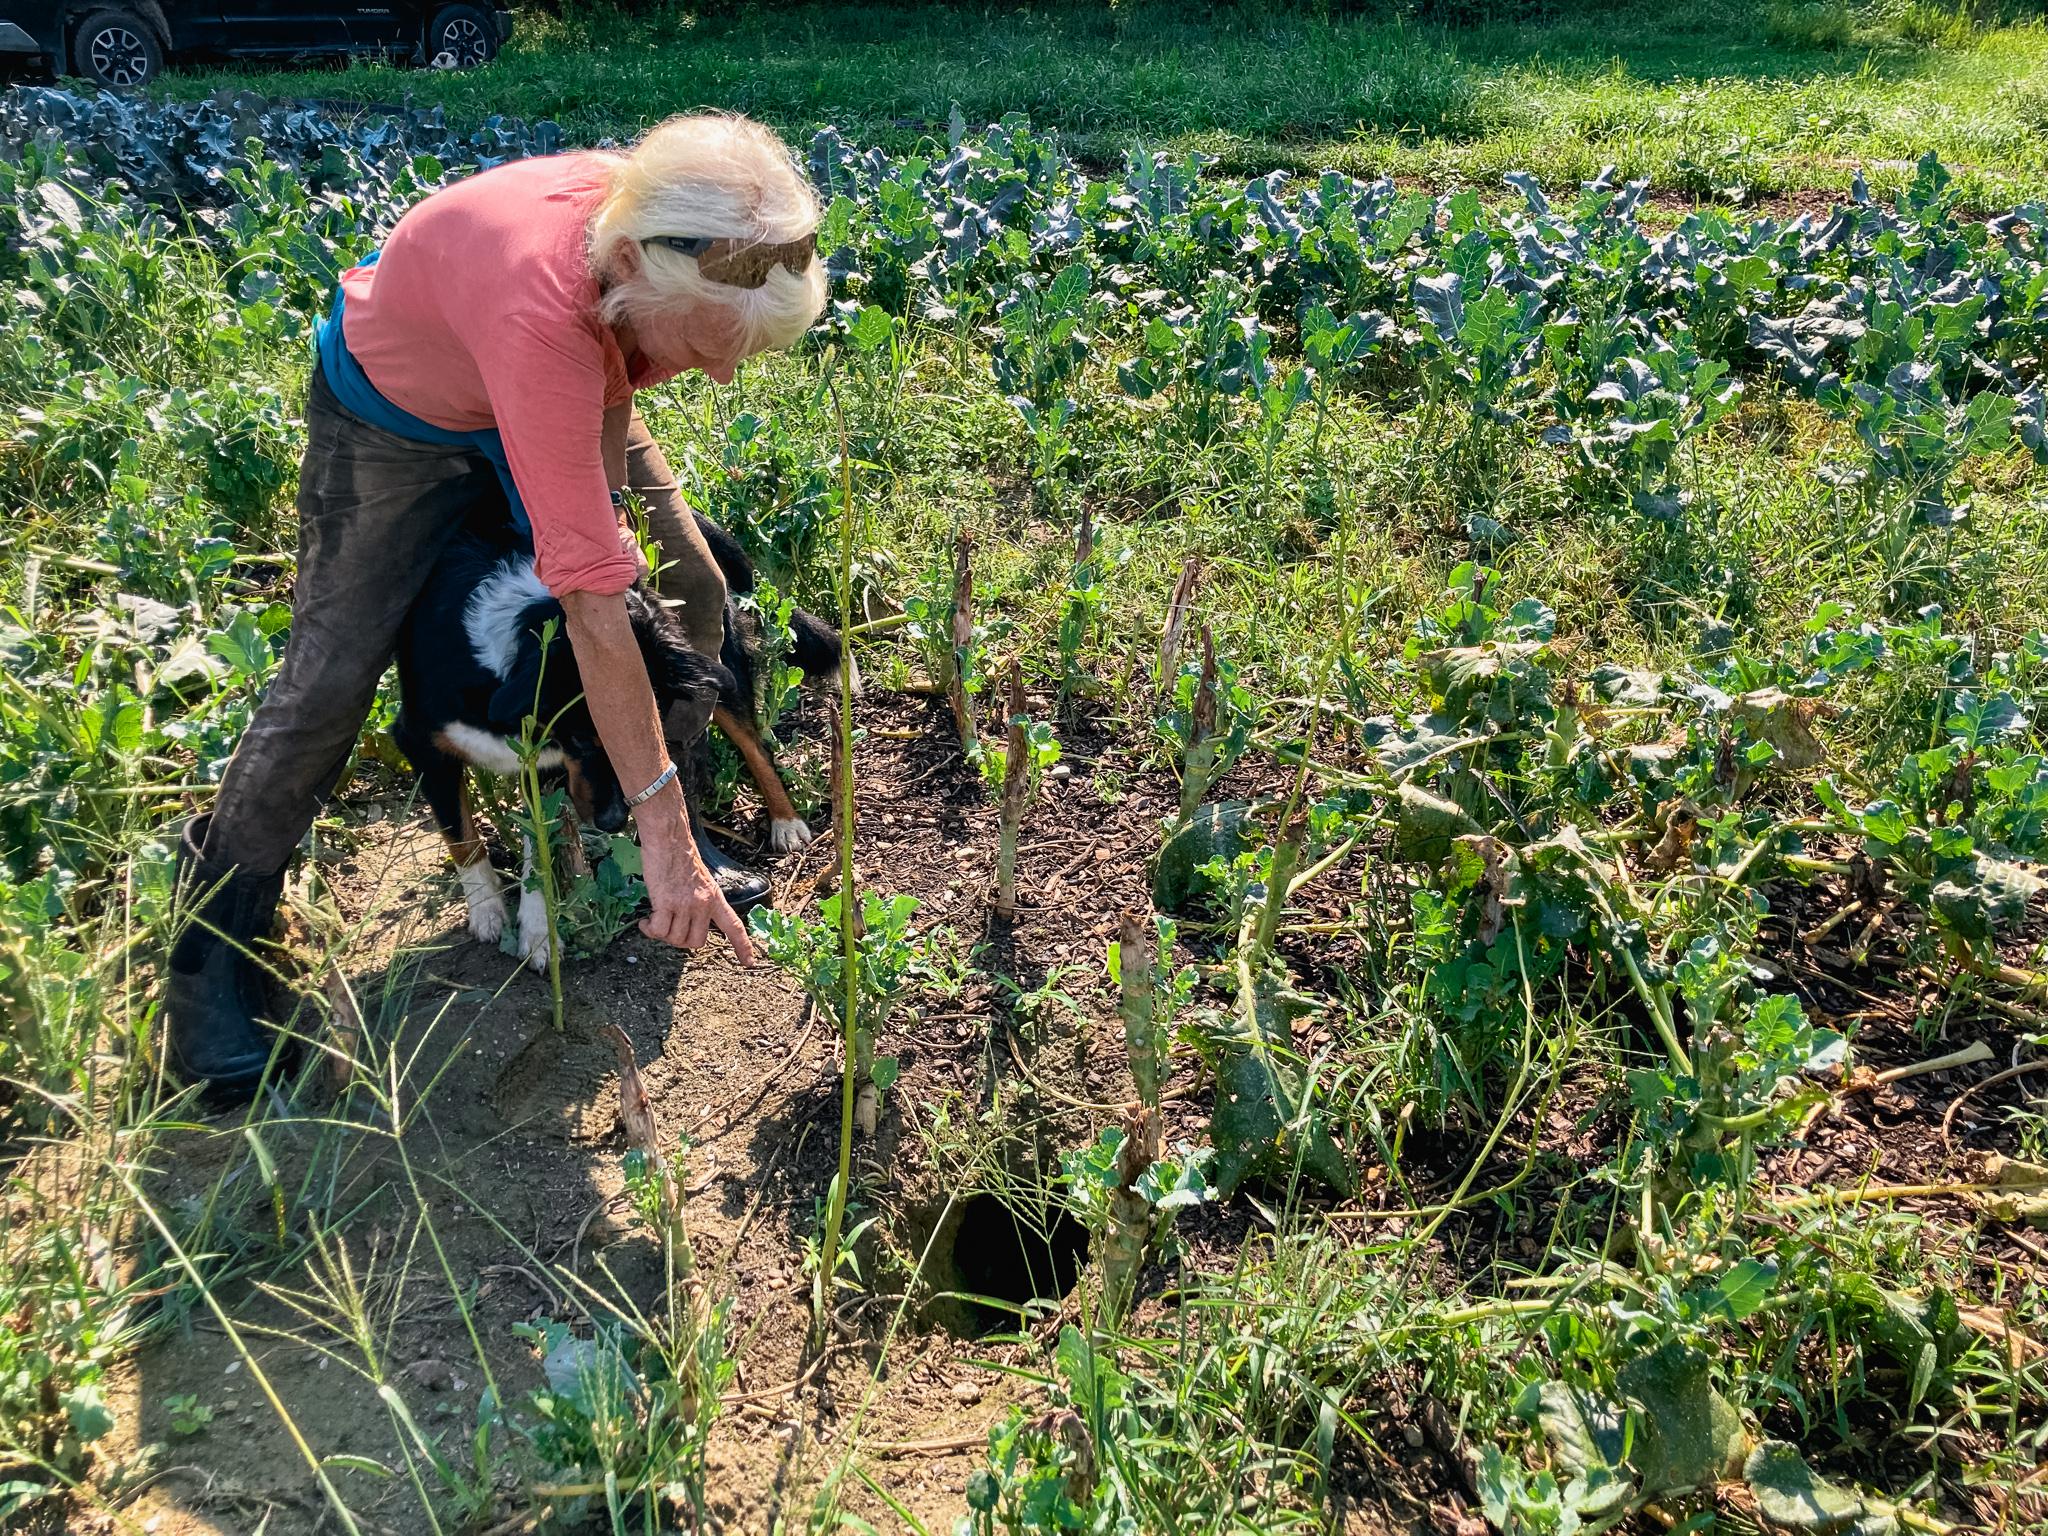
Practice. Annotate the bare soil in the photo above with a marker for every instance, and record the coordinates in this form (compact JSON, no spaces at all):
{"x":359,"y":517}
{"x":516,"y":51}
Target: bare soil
{"x":511,"y":1138}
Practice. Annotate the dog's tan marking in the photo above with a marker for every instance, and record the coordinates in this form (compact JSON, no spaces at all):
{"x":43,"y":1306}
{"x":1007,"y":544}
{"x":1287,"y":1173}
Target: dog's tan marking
{"x":759,"y":765}
{"x":465,"y":843}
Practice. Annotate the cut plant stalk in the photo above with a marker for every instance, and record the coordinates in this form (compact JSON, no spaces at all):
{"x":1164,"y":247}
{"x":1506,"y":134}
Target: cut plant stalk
{"x":636,"y":1119}
{"x":1141,"y":1033}
{"x":1129,"y":1229}
{"x":962,"y":627}
{"x":1176,"y":622}
{"x":1199,"y":762}
{"x":1017,"y":773}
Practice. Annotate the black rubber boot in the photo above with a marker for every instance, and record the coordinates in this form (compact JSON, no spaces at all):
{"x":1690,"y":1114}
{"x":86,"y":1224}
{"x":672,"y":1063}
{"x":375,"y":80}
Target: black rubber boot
{"x":744,"y":890}
{"x":215,"y":991}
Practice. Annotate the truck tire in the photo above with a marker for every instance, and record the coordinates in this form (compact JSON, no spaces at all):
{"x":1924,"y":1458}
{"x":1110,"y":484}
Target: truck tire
{"x":467,"y":33}
{"x":115,"y":48}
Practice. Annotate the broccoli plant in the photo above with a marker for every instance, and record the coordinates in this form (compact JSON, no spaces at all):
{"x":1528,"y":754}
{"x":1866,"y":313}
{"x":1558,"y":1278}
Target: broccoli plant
{"x":1277,"y":392}
{"x":772,"y":494}
{"x":1210,"y":723}
{"x":1193,"y":363}
{"x":1044,"y":333}
{"x":1641,"y":414}
{"x":942,"y":620}
{"x":1966,"y":822}
{"x":777,"y":681}
{"x":1477,"y":355}
{"x":1750,"y":1074}
{"x":1125,"y":1188}
{"x":1014,"y":770}
{"x":1122,"y":1185}
{"x":1079,"y":613}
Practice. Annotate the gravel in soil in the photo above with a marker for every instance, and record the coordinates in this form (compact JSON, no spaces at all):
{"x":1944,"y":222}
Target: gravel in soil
{"x":509,"y":1134}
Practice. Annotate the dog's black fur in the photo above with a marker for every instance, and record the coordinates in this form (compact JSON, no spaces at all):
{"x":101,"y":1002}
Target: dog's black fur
{"x":815,"y":651}
{"x":444,"y":682}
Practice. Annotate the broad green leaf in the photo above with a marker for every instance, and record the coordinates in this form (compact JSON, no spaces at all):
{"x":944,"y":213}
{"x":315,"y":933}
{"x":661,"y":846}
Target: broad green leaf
{"x":242,"y":645}
{"x":1792,"y":1495}
{"x":1746,"y":1286}
{"x":1214,"y":831}
{"x":87,"y":1411}
{"x":1992,"y":894}
{"x":1584,"y":1430}
{"x":871,"y":328}
{"x":1687,"y":1434}
{"x":1426,"y":825}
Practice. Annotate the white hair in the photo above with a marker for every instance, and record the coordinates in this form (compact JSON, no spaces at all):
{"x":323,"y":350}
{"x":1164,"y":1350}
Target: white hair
{"x":719,"y":176}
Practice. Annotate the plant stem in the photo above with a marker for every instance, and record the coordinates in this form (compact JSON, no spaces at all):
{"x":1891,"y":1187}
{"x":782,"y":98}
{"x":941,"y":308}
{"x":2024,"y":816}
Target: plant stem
{"x":885,"y":623}
{"x":1016,"y":787}
{"x":543,"y":860}
{"x":1200,"y":763}
{"x":835,"y":1209}
{"x":1134,"y":968}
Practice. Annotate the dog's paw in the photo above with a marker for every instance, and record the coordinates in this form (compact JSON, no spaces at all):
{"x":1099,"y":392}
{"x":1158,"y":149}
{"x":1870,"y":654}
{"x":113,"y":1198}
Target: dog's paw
{"x":487,"y":920}
{"x":487,"y":912}
{"x":533,"y":930}
{"x":786,"y":834}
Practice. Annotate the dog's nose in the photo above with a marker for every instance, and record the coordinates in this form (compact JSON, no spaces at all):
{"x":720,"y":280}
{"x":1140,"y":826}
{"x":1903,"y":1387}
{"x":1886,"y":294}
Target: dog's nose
{"x":611,"y":816}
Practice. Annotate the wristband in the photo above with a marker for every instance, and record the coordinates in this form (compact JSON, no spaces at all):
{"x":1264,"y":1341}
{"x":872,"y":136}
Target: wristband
{"x":667,"y":775}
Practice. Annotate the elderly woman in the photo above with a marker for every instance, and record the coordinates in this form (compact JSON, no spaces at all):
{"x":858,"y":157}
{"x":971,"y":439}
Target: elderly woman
{"x":492,"y":350}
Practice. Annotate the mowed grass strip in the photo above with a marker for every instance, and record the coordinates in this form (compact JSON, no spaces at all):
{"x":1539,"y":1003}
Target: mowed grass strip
{"x":1721,"y":100}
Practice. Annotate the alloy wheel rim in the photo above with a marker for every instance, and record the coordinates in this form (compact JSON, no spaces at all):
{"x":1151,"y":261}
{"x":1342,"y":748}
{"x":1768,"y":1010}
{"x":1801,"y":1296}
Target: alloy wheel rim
{"x":118,"y":56}
{"x":465,"y":39}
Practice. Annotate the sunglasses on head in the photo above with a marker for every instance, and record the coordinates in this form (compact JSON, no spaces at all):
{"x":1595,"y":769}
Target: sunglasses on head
{"x":740,"y":263}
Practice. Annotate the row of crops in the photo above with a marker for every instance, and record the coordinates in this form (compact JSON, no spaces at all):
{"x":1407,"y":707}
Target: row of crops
{"x":1569,"y":860}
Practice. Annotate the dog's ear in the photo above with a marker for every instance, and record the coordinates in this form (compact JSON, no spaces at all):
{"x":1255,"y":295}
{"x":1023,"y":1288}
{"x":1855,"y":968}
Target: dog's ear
{"x":691,"y":687}
{"x":689,"y":712}
{"x":517,"y":696}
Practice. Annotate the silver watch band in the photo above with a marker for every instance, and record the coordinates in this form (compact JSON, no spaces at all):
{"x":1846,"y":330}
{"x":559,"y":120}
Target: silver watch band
{"x":667,"y":775}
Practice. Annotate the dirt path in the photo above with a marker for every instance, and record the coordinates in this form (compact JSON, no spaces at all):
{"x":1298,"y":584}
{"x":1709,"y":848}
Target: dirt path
{"x":511,"y":1140}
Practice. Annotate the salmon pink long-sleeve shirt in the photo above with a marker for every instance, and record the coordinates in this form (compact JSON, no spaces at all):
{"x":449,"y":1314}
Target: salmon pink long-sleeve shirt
{"x":481,"y":313}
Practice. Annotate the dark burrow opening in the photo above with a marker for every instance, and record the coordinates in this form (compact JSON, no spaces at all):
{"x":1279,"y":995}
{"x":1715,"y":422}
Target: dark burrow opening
{"x":1017,"y":1251}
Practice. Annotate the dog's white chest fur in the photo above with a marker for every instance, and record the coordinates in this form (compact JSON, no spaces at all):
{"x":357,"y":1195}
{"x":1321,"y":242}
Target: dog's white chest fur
{"x":489,"y":751}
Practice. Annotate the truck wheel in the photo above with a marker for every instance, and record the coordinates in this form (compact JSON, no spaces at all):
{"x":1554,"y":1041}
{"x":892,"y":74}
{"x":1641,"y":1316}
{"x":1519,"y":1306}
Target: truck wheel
{"x":116,"y":48}
{"x":464,"y":33}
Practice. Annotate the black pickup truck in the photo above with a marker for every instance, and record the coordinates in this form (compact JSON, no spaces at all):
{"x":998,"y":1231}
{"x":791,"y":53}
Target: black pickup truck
{"x":123,"y":43}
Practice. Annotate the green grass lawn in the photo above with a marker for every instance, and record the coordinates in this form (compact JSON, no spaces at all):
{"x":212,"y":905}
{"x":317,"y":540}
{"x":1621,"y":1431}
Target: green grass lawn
{"x":1705,"y":99}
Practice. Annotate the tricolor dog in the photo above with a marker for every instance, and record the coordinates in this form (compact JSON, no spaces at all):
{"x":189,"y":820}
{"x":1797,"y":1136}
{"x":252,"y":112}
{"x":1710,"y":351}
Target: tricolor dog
{"x":814,"y":651}
{"x":472,"y":667}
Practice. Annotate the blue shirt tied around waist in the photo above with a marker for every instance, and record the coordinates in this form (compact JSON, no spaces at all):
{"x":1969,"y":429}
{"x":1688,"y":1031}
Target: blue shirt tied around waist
{"x":352,"y":387}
